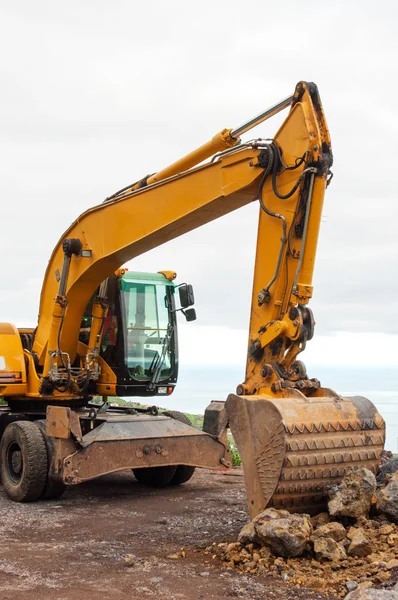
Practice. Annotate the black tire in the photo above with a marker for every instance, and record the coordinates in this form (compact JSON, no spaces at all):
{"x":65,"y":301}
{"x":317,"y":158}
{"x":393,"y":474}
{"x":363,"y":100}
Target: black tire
{"x":23,"y":461}
{"x":54,"y":488}
{"x":183,"y":472}
{"x":155,"y":476}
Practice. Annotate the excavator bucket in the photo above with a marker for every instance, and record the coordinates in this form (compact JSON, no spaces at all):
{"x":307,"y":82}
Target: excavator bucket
{"x":293,"y":448}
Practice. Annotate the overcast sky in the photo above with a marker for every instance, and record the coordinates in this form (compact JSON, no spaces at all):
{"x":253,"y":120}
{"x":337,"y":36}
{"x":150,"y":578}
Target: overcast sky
{"x":95,"y":95}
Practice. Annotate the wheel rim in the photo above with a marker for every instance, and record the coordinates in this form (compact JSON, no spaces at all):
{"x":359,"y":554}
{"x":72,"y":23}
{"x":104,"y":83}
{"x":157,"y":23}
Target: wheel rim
{"x":14,"y":462}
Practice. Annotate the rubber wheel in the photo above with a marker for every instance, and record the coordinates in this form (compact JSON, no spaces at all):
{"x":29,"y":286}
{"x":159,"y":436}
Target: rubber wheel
{"x":183,"y":472}
{"x":23,"y":460}
{"x":155,"y":476}
{"x":54,"y":488}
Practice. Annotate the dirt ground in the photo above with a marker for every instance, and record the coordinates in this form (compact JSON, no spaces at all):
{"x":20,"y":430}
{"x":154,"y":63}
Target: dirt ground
{"x":111,"y":538}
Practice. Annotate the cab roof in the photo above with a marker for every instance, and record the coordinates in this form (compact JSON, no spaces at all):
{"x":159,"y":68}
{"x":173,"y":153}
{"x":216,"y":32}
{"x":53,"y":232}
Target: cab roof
{"x":145,"y":276}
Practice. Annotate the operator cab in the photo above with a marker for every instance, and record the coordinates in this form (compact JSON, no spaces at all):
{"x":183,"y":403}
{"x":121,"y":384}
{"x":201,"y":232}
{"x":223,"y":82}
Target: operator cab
{"x":139,"y":335}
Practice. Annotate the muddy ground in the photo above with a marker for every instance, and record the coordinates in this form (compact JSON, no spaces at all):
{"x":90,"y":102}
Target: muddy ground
{"x":111,"y":538}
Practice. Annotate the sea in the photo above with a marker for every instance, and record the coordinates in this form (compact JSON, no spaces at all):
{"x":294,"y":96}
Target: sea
{"x":198,"y":385}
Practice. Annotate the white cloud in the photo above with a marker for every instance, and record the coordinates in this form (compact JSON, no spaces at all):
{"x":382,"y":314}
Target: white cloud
{"x":221,"y":346}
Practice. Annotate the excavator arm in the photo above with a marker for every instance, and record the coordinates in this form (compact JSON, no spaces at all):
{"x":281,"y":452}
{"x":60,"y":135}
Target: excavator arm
{"x":289,"y":220}
{"x":295,"y":164}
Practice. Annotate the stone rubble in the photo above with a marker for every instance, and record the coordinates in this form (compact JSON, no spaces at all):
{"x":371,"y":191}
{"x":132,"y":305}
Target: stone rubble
{"x":372,"y":595}
{"x":284,"y":533}
{"x":387,"y":498}
{"x":354,"y":495}
{"x":332,"y":530}
{"x":388,"y":468}
{"x":329,"y":549}
{"x":360,"y":544}
{"x":345,"y":553}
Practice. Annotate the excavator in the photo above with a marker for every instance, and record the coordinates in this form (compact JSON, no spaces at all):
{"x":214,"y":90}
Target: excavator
{"x":104,"y":331}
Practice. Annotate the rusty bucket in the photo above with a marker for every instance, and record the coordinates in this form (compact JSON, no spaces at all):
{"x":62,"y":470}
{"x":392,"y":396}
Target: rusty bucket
{"x":293,"y":448}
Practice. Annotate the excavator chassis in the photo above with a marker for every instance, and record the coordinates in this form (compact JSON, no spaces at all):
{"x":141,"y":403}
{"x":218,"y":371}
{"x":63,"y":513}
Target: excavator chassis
{"x":82,"y":444}
{"x":293,"y":448}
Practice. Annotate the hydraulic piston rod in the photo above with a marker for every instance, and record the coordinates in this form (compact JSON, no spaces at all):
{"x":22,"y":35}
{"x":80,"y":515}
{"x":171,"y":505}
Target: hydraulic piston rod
{"x":267,"y":114}
{"x":225,"y":139}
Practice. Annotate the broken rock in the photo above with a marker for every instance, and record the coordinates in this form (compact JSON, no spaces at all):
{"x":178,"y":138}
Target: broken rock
{"x":392,"y":564}
{"x":388,"y":468}
{"x":336,"y":531}
{"x":360,"y":546}
{"x":248,"y":534}
{"x":351,"y":585}
{"x":327,"y":548}
{"x":372,"y":594}
{"x":387,"y":498}
{"x":353,"y":496}
{"x":353,"y":531}
{"x":284,"y":533}
{"x":319,"y":520}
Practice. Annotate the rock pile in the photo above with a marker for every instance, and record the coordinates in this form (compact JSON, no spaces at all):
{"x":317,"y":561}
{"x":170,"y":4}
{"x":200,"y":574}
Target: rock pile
{"x":342,"y":551}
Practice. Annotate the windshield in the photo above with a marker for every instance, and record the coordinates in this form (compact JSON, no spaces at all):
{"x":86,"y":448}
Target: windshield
{"x":146,"y":316}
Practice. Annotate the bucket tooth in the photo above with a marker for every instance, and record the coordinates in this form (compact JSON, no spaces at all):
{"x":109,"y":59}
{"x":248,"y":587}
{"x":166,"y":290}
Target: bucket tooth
{"x":293,"y":448}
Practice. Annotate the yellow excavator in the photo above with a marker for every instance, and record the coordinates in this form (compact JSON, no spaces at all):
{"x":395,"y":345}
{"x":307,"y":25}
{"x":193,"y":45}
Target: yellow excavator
{"x":105,"y":331}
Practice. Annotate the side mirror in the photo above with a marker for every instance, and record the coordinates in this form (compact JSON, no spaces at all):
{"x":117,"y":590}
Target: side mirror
{"x":187,"y":297}
{"x":189,"y":314}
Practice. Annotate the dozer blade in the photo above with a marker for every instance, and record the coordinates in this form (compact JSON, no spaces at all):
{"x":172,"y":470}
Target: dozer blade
{"x":121,"y":441}
{"x":293,"y":448}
